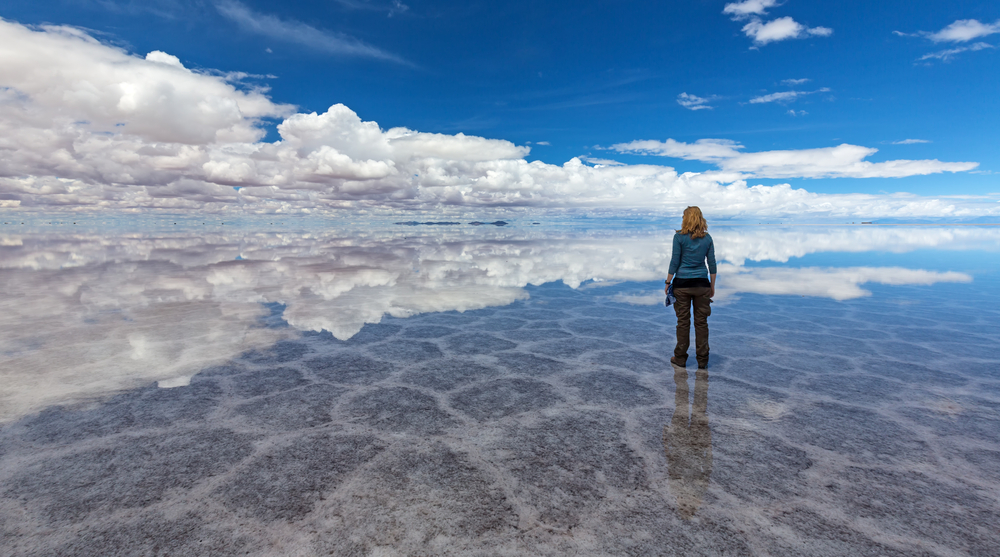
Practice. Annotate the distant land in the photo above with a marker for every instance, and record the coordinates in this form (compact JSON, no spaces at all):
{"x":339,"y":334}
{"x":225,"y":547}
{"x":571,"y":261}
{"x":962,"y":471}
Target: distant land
{"x":449,"y":223}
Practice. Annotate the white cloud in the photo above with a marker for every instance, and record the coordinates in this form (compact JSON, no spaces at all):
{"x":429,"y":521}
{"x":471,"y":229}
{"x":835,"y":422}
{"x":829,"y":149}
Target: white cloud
{"x":60,"y":82}
{"x":88,"y":126}
{"x":910,"y":141}
{"x":783,"y":96}
{"x":391,"y":8}
{"x":546,"y":143}
{"x":842,"y":161}
{"x":164,"y":58}
{"x":709,"y":150}
{"x":300,"y":33}
{"x":747,"y":8}
{"x":835,"y":162}
{"x":692,"y":102}
{"x":786,"y":96}
{"x":963,"y":31}
{"x":781,"y":29}
{"x":947,"y":54}
{"x":797,"y":113}
{"x":795,"y":81}
{"x":601,"y":162}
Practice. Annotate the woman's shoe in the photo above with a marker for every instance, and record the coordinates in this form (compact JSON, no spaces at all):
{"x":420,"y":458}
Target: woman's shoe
{"x":678,"y":362}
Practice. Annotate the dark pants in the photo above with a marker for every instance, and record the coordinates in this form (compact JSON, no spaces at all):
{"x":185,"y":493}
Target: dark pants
{"x":698,"y":296}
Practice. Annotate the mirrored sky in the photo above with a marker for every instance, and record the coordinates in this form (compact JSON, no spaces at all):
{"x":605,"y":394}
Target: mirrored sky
{"x":89,"y":312}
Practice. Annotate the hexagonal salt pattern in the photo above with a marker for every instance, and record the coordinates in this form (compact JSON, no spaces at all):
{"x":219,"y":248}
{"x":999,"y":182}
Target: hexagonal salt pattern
{"x":552,"y":426}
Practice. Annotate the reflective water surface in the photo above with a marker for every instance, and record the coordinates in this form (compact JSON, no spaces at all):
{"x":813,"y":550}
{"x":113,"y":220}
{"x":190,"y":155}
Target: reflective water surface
{"x":688,"y":443}
{"x":403,"y":390}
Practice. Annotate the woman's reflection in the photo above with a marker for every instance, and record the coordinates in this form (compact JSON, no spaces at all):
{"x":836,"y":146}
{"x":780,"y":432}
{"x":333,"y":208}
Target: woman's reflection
{"x":688,"y":443}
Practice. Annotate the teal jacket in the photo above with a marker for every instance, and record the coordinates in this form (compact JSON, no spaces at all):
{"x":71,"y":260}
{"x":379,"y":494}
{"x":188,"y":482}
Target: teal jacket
{"x":689,"y":256}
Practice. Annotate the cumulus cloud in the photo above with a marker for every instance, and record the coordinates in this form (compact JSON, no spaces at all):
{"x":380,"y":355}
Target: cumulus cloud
{"x":299,"y":33}
{"x":747,"y":8}
{"x":693,"y":102}
{"x":963,"y":31}
{"x":842,"y":161}
{"x":59,"y":84}
{"x":786,"y":96}
{"x":835,"y":162}
{"x":781,"y":29}
{"x":87,"y":126}
{"x":795,"y":81}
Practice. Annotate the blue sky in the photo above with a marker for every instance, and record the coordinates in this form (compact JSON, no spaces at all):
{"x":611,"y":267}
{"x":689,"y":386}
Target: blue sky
{"x":571,"y":79}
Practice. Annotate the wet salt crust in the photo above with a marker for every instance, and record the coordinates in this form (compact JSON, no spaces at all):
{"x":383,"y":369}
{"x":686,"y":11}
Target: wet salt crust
{"x":550,"y":426}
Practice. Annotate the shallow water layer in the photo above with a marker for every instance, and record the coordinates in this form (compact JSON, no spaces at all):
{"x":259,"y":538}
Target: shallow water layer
{"x":498,"y":392}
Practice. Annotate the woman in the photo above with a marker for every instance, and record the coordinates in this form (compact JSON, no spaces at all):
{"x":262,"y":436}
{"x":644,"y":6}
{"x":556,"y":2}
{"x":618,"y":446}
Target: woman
{"x":692,"y":247}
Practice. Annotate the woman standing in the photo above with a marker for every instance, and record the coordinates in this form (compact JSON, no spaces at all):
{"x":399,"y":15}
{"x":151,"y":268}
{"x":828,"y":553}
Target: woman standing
{"x":692,"y":248}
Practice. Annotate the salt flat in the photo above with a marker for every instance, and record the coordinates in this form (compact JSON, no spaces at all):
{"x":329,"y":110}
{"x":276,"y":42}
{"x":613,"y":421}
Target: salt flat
{"x":540,"y":419}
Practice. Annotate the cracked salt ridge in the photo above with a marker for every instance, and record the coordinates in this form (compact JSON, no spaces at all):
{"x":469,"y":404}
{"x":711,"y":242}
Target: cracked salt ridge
{"x":552,"y":426}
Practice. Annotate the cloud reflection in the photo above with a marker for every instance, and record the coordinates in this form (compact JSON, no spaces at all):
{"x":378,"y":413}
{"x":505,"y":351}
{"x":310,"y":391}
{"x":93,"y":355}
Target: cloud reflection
{"x":839,"y":284}
{"x":91,"y":313}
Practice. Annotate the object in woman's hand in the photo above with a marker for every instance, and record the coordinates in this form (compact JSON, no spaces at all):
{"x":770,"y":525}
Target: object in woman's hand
{"x":670,"y":295}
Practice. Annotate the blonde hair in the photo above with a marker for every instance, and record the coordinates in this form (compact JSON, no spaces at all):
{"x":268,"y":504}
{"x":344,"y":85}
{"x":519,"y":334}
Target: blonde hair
{"x":694,"y":223}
